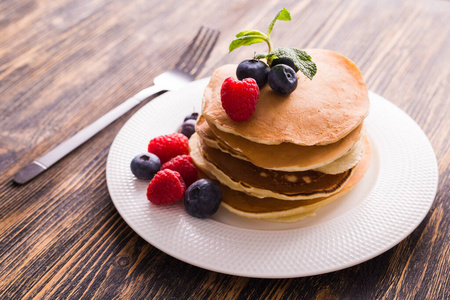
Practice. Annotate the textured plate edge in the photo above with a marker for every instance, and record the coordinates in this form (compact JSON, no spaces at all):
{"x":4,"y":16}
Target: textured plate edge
{"x":300,"y":274}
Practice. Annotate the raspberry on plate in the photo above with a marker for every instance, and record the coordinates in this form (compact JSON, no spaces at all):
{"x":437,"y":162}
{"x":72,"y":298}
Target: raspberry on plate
{"x":183,"y":165}
{"x":239,"y":98}
{"x":168,"y":146}
{"x":166,"y":187}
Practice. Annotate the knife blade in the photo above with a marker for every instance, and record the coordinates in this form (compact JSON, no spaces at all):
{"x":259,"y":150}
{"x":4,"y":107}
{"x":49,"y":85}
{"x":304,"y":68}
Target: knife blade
{"x":44,"y":162}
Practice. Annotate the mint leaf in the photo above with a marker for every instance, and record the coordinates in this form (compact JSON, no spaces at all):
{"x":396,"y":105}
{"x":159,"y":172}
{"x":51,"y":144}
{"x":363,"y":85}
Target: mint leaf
{"x":260,"y":55}
{"x":264,"y":55}
{"x":300,"y":58}
{"x":250,"y":32}
{"x":246,"y":40}
{"x":247,"y":37}
{"x":282,"y":15}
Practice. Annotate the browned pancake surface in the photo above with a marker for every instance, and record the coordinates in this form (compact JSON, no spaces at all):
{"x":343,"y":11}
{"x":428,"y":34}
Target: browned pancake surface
{"x":246,"y":203}
{"x":320,"y":111}
{"x":284,"y":155}
{"x":304,"y":183}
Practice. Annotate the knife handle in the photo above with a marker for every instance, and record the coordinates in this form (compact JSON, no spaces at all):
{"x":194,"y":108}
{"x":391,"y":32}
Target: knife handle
{"x":30,"y":171}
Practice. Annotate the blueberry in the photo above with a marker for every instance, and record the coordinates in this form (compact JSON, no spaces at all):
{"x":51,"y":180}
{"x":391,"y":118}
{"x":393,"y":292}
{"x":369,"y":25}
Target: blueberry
{"x":145,"y":166}
{"x":202,"y":198}
{"x":192,"y":116}
{"x":282,"y":79}
{"x":255,"y":69}
{"x":188,"y":127}
{"x":285,"y":61}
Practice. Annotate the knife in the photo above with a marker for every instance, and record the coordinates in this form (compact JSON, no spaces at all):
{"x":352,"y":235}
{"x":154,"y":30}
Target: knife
{"x":186,"y":69}
{"x":44,"y":162}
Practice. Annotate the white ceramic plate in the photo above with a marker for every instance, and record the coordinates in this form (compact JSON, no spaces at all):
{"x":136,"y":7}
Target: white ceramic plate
{"x":384,"y":208}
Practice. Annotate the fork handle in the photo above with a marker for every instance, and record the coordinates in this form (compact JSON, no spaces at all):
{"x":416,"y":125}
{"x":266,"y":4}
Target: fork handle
{"x":44,"y":162}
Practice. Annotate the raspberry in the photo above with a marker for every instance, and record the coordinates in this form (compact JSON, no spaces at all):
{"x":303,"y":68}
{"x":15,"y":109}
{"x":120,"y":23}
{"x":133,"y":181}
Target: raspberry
{"x":166,"y":187}
{"x":239,"y":98}
{"x":168,"y":146}
{"x":183,"y":165}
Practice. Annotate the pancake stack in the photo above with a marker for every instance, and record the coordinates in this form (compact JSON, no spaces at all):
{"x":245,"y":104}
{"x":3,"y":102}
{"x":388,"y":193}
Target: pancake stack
{"x":297,"y":153}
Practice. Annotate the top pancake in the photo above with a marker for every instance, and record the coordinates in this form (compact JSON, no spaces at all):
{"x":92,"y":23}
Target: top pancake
{"x":320,"y":111}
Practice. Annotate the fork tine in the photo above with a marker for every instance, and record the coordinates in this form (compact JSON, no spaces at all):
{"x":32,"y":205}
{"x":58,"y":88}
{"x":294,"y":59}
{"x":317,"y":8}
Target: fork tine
{"x":198,"y":51}
{"x":204,"y":55}
{"x":188,"y":49}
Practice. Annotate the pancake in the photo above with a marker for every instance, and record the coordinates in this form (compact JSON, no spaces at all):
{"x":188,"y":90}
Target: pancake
{"x":290,"y":211}
{"x":285,"y":156}
{"x":210,"y":139}
{"x":318,"y":112}
{"x":243,"y":176}
{"x":345,"y":162}
{"x":269,"y":208}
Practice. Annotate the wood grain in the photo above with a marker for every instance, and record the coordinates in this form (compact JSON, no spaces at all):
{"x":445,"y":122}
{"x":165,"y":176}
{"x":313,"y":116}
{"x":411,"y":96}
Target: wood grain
{"x":63,"y":64}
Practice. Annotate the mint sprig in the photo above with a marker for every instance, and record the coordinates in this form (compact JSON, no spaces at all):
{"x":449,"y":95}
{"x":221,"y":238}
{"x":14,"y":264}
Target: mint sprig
{"x":249,"y":37}
{"x":300,"y":58}
{"x":282,"y":15}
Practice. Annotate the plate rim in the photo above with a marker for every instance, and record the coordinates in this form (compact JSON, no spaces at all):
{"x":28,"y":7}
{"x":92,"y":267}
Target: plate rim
{"x":180,"y":256}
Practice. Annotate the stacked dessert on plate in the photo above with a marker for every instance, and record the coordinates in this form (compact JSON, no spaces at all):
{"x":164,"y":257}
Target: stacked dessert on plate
{"x":297,"y":153}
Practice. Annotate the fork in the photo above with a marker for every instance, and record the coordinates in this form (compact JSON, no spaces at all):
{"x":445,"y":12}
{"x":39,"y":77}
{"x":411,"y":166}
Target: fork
{"x":186,"y":70}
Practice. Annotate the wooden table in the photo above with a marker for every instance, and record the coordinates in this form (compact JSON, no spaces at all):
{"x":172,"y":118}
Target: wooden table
{"x":63,"y":64}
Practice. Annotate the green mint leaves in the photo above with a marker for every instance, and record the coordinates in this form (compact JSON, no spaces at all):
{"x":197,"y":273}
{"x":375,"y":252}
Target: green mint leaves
{"x":249,"y":37}
{"x":300,"y":58}
{"x":282,"y":15}
{"x":246,"y":38}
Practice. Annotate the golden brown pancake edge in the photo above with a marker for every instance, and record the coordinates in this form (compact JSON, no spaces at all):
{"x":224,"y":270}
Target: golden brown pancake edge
{"x":303,"y":209}
{"x":282,"y":157}
{"x":319,"y":112}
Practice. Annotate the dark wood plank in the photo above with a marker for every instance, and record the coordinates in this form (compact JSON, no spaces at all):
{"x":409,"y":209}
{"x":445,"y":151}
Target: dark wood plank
{"x":65,"y":63}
